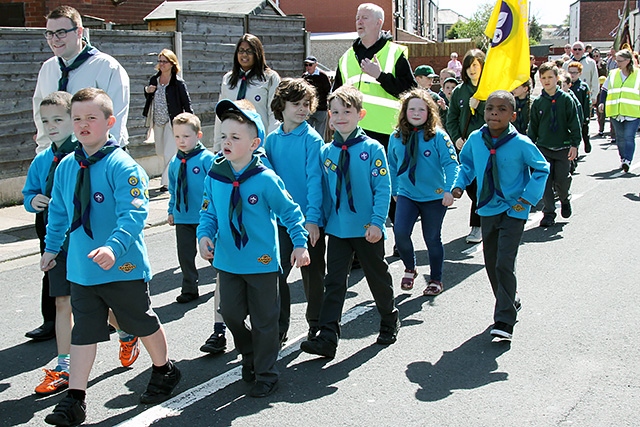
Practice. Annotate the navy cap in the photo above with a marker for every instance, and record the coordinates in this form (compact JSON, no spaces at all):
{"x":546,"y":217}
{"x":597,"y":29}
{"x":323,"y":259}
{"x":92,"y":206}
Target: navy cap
{"x":228,"y":105}
{"x":311,"y":59}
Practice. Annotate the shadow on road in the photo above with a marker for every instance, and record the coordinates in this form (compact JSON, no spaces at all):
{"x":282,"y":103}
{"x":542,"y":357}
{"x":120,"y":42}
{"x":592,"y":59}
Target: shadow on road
{"x":472,"y":365}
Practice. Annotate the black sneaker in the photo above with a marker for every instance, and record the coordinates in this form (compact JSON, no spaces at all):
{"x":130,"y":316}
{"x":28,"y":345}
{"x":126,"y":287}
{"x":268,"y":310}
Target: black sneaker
{"x":263,"y":389}
{"x":248,"y":374}
{"x":502,"y":330}
{"x":547,"y":221}
{"x":320,"y":347}
{"x":217,"y":343}
{"x":161,"y":386}
{"x":388,"y":334}
{"x":184,"y":298}
{"x":69,"y":412}
{"x":313,"y":332}
{"x":565,"y":209}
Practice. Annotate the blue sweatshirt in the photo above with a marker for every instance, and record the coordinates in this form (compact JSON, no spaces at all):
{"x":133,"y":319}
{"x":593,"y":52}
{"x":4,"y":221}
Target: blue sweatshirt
{"x":263,"y":199}
{"x":197,"y":168}
{"x":295,"y":158}
{"x":371,"y":185}
{"x":522,"y":172}
{"x":119,"y":208}
{"x":436,"y":169}
{"x":37,"y":177}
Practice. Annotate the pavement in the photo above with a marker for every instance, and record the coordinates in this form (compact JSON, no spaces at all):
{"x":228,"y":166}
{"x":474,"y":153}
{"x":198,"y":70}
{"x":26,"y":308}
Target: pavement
{"x":17,"y":231}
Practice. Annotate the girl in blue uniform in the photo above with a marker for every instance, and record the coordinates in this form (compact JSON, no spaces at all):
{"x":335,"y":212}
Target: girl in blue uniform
{"x":423,"y":165}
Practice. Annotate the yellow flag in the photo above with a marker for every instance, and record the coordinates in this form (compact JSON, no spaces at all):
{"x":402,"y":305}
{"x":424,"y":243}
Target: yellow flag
{"x":507,"y":64}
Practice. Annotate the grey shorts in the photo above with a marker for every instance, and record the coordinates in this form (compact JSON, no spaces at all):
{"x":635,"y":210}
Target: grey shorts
{"x":59,"y":286}
{"x":129,"y":301}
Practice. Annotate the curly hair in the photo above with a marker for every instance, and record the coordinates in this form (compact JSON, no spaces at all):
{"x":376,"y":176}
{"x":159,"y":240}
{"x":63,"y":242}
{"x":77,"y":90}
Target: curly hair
{"x":293,"y":90}
{"x":433,"y":116}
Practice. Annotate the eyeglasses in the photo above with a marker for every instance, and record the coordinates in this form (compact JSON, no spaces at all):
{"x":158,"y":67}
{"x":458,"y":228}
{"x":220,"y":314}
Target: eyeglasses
{"x":160,"y":61}
{"x":60,"y":34}
{"x":246,"y":52}
{"x":576,"y":48}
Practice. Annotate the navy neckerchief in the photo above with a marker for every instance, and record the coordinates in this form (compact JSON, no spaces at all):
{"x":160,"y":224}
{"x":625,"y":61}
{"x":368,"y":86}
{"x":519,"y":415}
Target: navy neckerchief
{"x":491,"y":182}
{"x":410,"y":160}
{"x":68,"y":146}
{"x":221,"y":170}
{"x":554,"y":110}
{"x":242,"y":88}
{"x":85,"y":54}
{"x":82,"y":192}
{"x":183,"y":188}
{"x":342,"y":170}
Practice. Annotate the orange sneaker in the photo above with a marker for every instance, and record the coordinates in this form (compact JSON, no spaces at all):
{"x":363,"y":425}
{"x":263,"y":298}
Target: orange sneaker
{"x":129,"y":351}
{"x":53,"y":382}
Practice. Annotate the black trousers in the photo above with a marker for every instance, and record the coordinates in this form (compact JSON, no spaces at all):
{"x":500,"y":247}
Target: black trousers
{"x":339,"y":257}
{"x":187,"y":251}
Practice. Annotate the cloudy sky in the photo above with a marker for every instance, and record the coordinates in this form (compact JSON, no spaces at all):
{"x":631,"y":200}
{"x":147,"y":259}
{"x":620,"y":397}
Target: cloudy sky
{"x":547,"y":11}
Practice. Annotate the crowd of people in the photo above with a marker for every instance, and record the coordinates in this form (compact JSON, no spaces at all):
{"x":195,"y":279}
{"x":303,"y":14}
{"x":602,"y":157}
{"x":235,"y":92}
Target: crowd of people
{"x":273,"y":195}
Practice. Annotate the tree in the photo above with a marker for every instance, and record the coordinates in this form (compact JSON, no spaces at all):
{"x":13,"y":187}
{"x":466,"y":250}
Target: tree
{"x":535,"y":30}
{"x":474,"y":28}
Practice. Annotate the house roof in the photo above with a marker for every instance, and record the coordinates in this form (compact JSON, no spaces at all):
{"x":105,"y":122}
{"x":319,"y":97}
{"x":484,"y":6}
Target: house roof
{"x":167,"y":10}
{"x":449,"y":17}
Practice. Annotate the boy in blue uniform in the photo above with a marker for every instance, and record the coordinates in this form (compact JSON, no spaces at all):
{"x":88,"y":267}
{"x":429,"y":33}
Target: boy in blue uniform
{"x":100,"y":201}
{"x":55,"y":112}
{"x":187,"y":171}
{"x":241,"y":227}
{"x":555,"y":129}
{"x":358,"y":187}
{"x":511,"y":174}
{"x":294,"y":150}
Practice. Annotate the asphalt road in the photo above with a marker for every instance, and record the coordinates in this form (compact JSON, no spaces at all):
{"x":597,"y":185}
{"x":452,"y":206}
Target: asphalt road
{"x":573,"y":360}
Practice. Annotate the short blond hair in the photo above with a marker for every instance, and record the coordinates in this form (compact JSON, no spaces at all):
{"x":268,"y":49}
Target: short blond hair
{"x":189,"y":120}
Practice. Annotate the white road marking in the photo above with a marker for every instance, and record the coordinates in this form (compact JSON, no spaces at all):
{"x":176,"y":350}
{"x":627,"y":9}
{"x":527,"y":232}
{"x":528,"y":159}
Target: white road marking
{"x":176,"y":405}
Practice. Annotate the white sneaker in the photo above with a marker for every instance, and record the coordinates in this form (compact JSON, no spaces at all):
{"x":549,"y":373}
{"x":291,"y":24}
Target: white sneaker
{"x":475,"y":236}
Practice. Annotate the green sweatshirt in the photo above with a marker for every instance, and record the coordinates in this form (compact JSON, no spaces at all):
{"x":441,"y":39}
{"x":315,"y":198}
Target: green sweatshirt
{"x":568,"y":127}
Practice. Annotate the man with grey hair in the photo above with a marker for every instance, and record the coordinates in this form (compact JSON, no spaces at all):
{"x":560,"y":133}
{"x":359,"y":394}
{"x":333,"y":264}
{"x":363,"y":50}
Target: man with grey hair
{"x":379,"y":68}
{"x":589,"y":69}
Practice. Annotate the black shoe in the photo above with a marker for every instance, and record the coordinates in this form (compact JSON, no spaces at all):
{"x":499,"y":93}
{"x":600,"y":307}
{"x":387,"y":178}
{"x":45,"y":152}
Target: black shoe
{"x":44,"y":332}
{"x":313,"y":332}
{"x":502,"y":330}
{"x":69,"y":412}
{"x":320,"y":347}
{"x":396,"y":254}
{"x":565,"y":209}
{"x":184,"y":298}
{"x":217,"y":343}
{"x":587,"y":147}
{"x":547,"y":221}
{"x":263,"y":389}
{"x":248,"y":374}
{"x":161,"y":386}
{"x":163,"y":189}
{"x":389,"y":334}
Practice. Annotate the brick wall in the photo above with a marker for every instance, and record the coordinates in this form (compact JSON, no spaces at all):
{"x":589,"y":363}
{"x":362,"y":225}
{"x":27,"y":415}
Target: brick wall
{"x":598,"y":18}
{"x":129,"y":12}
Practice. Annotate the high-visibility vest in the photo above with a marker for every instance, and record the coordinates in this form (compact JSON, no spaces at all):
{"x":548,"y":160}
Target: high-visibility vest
{"x":382,"y":107}
{"x":623,"y":98}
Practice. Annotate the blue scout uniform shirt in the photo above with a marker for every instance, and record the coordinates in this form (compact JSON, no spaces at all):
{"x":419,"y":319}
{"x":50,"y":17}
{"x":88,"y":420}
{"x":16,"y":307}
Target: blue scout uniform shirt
{"x":522,"y":171}
{"x":371,"y":185}
{"x":37,"y":177}
{"x":197,"y":168}
{"x":119,"y":208}
{"x":436,"y":169}
{"x":263,"y":199}
{"x":295,"y":158}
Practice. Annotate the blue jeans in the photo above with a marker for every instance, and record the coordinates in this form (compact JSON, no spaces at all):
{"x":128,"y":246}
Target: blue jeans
{"x":432,"y":215}
{"x":625,"y":137}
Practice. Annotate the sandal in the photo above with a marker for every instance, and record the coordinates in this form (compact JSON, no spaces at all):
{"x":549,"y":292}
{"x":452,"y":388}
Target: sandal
{"x":407,"y":281}
{"x":433,"y":288}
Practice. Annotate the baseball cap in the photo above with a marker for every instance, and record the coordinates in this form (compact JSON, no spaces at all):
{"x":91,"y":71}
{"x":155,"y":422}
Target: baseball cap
{"x":311,"y":59}
{"x":450,"y":80}
{"x":425,"y":70}
{"x":228,"y":105}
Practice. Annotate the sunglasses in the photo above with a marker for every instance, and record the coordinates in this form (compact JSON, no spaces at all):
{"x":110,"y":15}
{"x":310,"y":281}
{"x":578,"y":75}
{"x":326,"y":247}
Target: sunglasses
{"x":577,"y":48}
{"x":308,"y":65}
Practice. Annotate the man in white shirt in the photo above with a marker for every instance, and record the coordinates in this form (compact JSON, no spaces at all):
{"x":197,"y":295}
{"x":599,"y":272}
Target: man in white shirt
{"x":77,"y":65}
{"x":589,"y":69}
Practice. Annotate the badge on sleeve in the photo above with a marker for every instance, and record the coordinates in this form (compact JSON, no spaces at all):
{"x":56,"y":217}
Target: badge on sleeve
{"x":133,"y":181}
